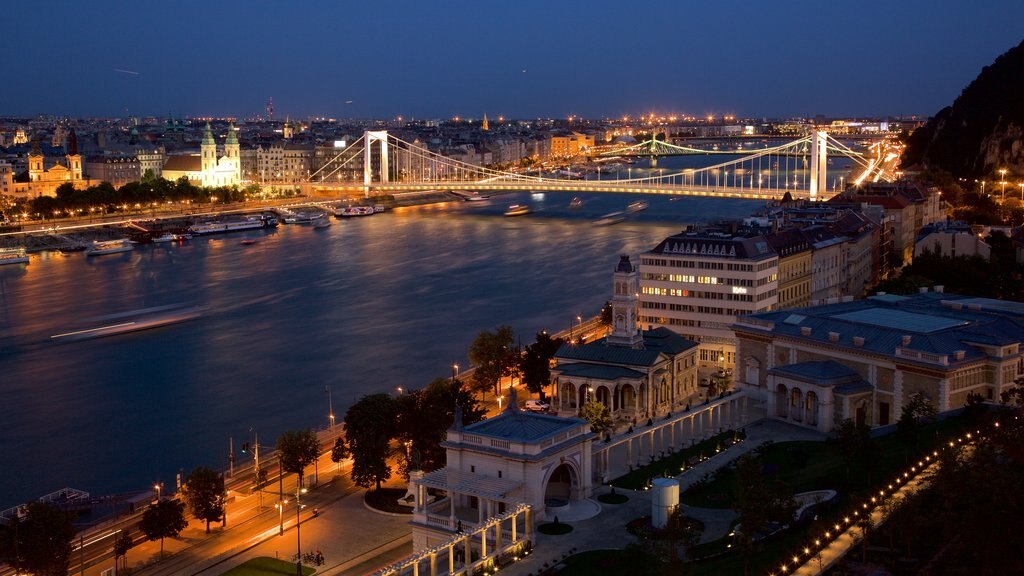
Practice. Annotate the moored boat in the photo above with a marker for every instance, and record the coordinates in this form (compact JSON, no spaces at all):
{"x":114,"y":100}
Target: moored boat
{"x":321,"y":222}
{"x":576,"y":202}
{"x":171,"y":237}
{"x":13,"y":256}
{"x":102,"y":247}
{"x":250,"y":223}
{"x":518,"y":210}
{"x":351,"y":211}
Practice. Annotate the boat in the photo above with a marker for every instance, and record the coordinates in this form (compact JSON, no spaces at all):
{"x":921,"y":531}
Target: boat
{"x":250,"y":223}
{"x":303,"y":218}
{"x":321,"y":222}
{"x":636,"y":206}
{"x":378,"y":208}
{"x":518,"y":210}
{"x":135,"y":321}
{"x":13,"y":256}
{"x":101,"y":247}
{"x":247,"y":242}
{"x":352,"y":211}
{"x":576,"y":202}
{"x":171,"y":237}
{"x":609,"y":219}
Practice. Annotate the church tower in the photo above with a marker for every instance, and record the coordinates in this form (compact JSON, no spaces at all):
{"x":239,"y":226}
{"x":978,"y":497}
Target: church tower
{"x":231,"y":151}
{"x":35,"y":161}
{"x":74,"y":158}
{"x":287,"y":133}
{"x":625,"y":302}
{"x":208,"y":165}
{"x":484,"y":125}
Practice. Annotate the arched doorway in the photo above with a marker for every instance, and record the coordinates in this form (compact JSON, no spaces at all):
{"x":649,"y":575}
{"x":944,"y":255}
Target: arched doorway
{"x":567,"y":396}
{"x":603,"y":396}
{"x":562,"y":486}
{"x":628,"y":398}
{"x":782,"y":401}
{"x":811,"y":416}
{"x":796,"y":404}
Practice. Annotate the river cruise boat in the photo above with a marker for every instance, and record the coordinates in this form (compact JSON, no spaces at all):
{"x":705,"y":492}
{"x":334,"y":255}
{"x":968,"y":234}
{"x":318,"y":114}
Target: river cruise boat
{"x":636,"y":206}
{"x":353,"y":211}
{"x":13,"y":256}
{"x":103,"y":247}
{"x":609,"y":219}
{"x":576,"y":202}
{"x":518,"y":210}
{"x":250,"y":223}
{"x":321,"y":222}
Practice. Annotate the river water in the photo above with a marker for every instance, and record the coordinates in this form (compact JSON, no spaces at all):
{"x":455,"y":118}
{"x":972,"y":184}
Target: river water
{"x":364,"y":306}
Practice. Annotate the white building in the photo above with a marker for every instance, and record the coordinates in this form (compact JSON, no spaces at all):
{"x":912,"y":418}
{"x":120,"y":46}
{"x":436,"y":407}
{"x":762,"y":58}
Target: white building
{"x":696,"y":284}
{"x":497,"y":464}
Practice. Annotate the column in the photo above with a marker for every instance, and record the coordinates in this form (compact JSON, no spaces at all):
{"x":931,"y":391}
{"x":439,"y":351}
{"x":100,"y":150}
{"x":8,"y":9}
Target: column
{"x":629,"y":451}
{"x":897,"y":393}
{"x":944,"y":394}
{"x":528,"y":524}
{"x":416,"y":568}
{"x":451,"y":558}
{"x":497,"y":537}
{"x":468,"y":550}
{"x":451,"y":509}
{"x":433,"y":564}
{"x":515,"y":520}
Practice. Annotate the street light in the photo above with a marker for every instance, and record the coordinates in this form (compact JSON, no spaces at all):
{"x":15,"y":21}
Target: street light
{"x":280,"y":513}
{"x":1021,"y":191}
{"x":1002,"y":183}
{"x":500,"y":398}
{"x":298,"y":534}
{"x":158,"y":487}
{"x":399,"y":390}
{"x":579,"y":320}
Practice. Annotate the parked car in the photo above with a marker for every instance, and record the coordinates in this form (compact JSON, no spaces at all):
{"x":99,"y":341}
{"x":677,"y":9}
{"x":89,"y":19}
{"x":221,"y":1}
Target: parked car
{"x":537,"y":406}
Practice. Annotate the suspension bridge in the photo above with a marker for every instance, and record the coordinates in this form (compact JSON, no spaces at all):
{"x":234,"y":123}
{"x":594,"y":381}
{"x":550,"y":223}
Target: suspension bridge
{"x":381,"y":163}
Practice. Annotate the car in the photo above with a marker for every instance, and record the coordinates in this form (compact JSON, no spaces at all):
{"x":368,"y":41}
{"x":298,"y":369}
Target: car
{"x":537,"y":406}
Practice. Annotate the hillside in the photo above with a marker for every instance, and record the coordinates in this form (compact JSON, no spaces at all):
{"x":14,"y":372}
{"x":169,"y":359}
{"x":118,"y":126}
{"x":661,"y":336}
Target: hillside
{"x":982,"y":131}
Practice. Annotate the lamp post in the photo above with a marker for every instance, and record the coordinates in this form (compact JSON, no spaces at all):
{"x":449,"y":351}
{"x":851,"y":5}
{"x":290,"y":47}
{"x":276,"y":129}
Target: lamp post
{"x":1021,"y":191}
{"x":158,"y":487}
{"x":579,"y":320}
{"x":330,"y":406}
{"x":280,"y":493}
{"x":500,"y":398}
{"x":399,"y":390}
{"x":298,"y":533}
{"x":1002,"y":182}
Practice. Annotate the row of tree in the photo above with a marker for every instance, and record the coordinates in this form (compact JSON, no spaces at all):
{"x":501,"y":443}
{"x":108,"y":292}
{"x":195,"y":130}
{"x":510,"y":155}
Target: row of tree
{"x":106,"y":199}
{"x":494,"y":357}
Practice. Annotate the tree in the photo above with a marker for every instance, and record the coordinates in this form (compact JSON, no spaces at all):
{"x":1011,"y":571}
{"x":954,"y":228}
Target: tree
{"x":915,"y":412}
{"x":606,"y":314}
{"x":599,"y":416}
{"x":369,"y":426}
{"x":340,"y":451}
{"x":41,"y":542}
{"x":856,"y":446}
{"x":759,"y":502}
{"x":122,"y":544}
{"x":203,"y":493}
{"x":490,"y":354}
{"x":424,"y":417}
{"x":165,"y":519}
{"x":535,"y":363}
{"x":297,"y":450}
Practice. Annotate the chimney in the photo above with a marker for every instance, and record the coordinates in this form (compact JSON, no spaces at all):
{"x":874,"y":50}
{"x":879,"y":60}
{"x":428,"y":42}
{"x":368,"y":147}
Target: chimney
{"x":922,"y":290}
{"x":858,"y":341}
{"x":906,"y":339}
{"x":959,"y":354}
{"x":939,"y":288}
{"x":805,"y":330}
{"x":833,"y":336}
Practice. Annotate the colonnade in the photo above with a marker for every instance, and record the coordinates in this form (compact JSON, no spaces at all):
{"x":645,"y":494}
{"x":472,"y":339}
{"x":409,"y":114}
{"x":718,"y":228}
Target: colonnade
{"x":644,"y":444}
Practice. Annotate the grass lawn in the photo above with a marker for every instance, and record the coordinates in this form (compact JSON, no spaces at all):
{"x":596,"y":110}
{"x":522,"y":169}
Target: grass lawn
{"x":265,"y":566}
{"x":672,"y":464}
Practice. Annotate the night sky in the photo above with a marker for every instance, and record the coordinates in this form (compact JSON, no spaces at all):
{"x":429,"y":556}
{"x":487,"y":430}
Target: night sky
{"x":522,"y":59}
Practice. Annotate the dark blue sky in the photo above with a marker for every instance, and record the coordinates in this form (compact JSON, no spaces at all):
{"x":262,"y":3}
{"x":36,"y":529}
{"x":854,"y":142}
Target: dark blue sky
{"x":523,"y":59}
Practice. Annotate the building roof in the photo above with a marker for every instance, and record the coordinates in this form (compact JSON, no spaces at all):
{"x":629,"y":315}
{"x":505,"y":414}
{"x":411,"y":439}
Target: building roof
{"x":721,"y":245}
{"x":656,"y":342}
{"x":184,"y":163}
{"x":522,"y":426}
{"x":823,"y":373}
{"x":933,"y":327}
{"x":598,"y":371}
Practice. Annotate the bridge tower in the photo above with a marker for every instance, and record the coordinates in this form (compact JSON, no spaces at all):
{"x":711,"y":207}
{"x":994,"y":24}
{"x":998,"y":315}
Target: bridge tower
{"x":819,"y":163}
{"x":369,"y":137}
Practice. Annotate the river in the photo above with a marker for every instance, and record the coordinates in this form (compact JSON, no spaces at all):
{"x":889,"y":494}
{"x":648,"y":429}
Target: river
{"x":364,"y":306}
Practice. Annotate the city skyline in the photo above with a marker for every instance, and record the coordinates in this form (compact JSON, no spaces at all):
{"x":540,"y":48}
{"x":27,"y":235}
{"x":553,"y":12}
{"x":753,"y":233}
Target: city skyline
{"x":414,"y":60}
